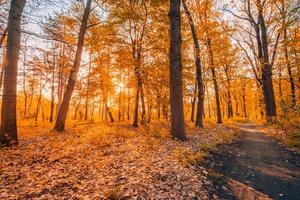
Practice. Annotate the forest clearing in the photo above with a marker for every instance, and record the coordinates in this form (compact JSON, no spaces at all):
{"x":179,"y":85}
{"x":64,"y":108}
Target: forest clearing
{"x":150,"y":99}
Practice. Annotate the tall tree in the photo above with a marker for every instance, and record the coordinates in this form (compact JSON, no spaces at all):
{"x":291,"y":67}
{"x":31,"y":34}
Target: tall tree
{"x":200,"y":88}
{"x":8,"y":132}
{"x":176,"y":96}
{"x":63,"y":110}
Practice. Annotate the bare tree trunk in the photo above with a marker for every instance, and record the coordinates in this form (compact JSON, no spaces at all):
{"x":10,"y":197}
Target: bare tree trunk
{"x":62,"y":114}
{"x":8,"y":133}
{"x":176,"y":94}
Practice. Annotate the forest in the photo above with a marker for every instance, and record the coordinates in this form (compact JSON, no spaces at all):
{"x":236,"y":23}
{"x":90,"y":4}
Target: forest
{"x":150,"y":99}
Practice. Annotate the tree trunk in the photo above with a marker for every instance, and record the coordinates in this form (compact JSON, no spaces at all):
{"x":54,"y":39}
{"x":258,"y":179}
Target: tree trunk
{"x":176,"y":94}
{"x":2,"y":69}
{"x":194,"y":100}
{"x":267,"y":81}
{"x":62,"y":114}
{"x":289,"y":70}
{"x":87,"y":94}
{"x":8,"y":132}
{"x":215,"y":82}
{"x":143,"y":120}
{"x":24,"y":81}
{"x":229,"y":101}
{"x":109,"y":113}
{"x":136,"y":107}
{"x":52,"y":90}
{"x":3,"y":37}
{"x":200,"y":105}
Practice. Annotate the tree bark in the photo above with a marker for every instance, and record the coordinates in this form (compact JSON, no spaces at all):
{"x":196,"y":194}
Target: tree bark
{"x":193,"y":103}
{"x":52,"y":90}
{"x":62,"y":114}
{"x":8,"y":132}
{"x":267,"y":81}
{"x":289,"y":69}
{"x":200,"y":104}
{"x":176,"y":94}
{"x":215,"y":82}
{"x":87,"y":94}
{"x":229,"y":100}
{"x":24,"y":80}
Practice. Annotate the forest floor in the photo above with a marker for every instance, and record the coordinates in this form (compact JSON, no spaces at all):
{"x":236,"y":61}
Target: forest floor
{"x":117,"y":161}
{"x":110,"y":161}
{"x":256,"y":167}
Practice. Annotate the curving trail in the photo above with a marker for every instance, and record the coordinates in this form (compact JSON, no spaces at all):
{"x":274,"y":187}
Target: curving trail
{"x":257,"y":167}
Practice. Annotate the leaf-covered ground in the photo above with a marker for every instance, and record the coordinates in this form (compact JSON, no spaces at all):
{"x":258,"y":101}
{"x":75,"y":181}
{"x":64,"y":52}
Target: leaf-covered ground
{"x":105,"y":161}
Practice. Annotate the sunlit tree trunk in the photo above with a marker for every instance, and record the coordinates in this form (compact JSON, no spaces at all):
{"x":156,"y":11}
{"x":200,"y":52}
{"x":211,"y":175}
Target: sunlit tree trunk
{"x":62,"y":114}
{"x":8,"y":132}
{"x":2,"y":69}
{"x":2,"y":38}
{"x":176,"y":95}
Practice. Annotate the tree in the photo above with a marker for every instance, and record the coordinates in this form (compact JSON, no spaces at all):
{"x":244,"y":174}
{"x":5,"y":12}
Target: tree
{"x":176,"y":96}
{"x":259,"y":44}
{"x":8,"y":132}
{"x":200,"y":88}
{"x":62,"y":114}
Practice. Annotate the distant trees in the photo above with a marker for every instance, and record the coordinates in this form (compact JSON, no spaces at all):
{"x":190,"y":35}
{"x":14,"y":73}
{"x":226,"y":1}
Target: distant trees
{"x":259,"y":39}
{"x":131,"y":68}
{"x":8,"y":132}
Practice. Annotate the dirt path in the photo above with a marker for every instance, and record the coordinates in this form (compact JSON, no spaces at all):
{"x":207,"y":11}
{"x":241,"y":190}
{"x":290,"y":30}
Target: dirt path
{"x":257,"y":167}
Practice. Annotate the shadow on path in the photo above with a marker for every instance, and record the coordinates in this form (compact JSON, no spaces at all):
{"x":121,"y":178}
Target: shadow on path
{"x":257,"y":167}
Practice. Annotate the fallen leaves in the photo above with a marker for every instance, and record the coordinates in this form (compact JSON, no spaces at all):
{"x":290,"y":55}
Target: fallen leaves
{"x":100,"y":161}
